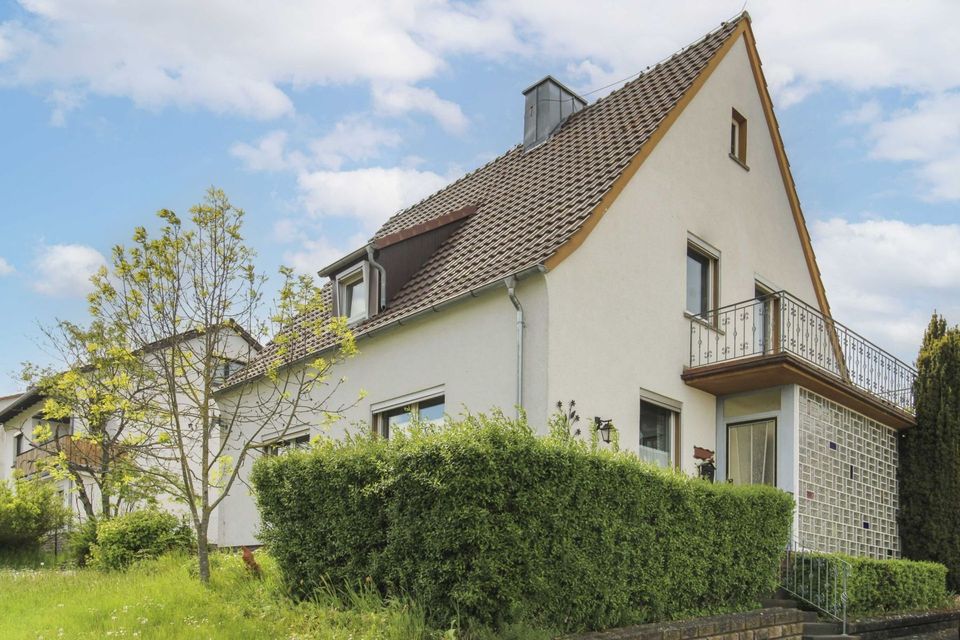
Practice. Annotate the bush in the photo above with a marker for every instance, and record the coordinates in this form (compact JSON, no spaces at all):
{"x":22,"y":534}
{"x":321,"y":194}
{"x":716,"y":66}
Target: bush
{"x":80,"y":543}
{"x":875,"y":586}
{"x":136,"y":536}
{"x":29,"y":511}
{"x":487,"y":524}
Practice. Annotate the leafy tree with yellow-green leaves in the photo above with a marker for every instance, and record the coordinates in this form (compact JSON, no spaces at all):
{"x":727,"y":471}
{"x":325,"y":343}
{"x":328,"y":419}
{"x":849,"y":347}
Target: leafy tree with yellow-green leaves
{"x":192,"y":287}
{"x":98,"y":417}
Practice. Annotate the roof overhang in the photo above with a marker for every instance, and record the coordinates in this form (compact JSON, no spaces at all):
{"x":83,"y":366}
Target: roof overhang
{"x":764,"y":371}
{"x":344,"y":262}
{"x":26,"y":399}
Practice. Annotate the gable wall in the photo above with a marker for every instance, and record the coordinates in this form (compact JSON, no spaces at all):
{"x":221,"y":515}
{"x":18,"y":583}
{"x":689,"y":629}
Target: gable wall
{"x":617,"y":302}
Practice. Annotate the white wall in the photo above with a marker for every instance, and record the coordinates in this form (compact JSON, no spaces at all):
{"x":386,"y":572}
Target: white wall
{"x":468,"y":348}
{"x":617,"y":303}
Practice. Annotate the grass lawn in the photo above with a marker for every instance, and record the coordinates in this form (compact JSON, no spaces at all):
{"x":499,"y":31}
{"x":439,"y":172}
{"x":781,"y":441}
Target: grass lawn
{"x":163,"y":599}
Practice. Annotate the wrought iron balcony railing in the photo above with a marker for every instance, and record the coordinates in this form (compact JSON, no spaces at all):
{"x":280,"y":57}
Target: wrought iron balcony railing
{"x":782,"y":323}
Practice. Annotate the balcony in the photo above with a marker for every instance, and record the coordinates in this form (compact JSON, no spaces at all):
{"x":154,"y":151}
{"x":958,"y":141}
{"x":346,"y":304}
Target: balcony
{"x":779,"y":339}
{"x":81,"y":452}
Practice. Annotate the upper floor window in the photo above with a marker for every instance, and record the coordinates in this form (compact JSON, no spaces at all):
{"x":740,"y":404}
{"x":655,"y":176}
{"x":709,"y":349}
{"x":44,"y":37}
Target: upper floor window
{"x":738,"y":138}
{"x":352,"y":293}
{"x":701,"y":280}
{"x":224,"y":368}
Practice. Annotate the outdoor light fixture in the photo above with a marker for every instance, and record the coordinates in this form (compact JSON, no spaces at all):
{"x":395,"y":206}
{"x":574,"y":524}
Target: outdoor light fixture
{"x":604,"y":427}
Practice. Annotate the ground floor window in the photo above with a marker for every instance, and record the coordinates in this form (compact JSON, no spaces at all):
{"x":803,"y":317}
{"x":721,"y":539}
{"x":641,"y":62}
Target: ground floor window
{"x":398,"y":419}
{"x":656,"y":433}
{"x":752,"y":452}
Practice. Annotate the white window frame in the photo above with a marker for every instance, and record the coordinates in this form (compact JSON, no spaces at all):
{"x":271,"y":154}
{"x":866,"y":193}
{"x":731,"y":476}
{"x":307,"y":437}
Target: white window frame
{"x":675,"y":408}
{"x":361,"y":273}
{"x":279,"y":446}
{"x":377,"y":409}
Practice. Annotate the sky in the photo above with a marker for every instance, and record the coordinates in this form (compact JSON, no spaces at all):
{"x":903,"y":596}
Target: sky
{"x":321,"y":119}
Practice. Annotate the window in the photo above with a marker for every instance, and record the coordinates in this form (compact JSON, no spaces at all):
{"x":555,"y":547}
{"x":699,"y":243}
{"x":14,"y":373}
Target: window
{"x":701,"y":281}
{"x":352,"y":293}
{"x":656,"y":433}
{"x":224,"y":369}
{"x":279,"y":447}
{"x":17,"y":445}
{"x":752,"y":452}
{"x":738,"y":138}
{"x":398,"y":419}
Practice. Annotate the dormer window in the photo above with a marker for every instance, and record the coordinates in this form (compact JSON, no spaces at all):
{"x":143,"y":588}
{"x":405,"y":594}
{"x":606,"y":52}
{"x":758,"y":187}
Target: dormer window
{"x":352,"y":293}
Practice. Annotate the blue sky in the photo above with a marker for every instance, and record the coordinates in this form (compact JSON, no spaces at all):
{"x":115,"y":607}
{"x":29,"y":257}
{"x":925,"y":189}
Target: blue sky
{"x":321,"y":119}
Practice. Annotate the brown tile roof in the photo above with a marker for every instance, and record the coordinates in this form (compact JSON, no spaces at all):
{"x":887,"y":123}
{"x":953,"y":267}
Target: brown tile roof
{"x":529,"y":203}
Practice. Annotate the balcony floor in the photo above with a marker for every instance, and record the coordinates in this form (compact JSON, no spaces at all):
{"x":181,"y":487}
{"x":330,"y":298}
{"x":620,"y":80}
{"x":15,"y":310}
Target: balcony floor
{"x":763,"y":371}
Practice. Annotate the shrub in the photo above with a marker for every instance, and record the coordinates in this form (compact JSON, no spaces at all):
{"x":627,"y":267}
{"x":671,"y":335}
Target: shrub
{"x":136,"y":536}
{"x":29,"y":511}
{"x":81,"y":541}
{"x":876,"y":586}
{"x":485,"y":523}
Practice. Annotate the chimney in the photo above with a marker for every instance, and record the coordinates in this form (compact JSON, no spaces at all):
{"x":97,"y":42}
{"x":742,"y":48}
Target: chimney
{"x":548,"y":104}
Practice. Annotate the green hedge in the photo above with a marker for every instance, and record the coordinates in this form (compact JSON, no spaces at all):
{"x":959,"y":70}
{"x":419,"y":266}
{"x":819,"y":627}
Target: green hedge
{"x":875,"y":586}
{"x":895,"y":585}
{"x":30,"y":510}
{"x":482,"y":522}
{"x":137,"y":536}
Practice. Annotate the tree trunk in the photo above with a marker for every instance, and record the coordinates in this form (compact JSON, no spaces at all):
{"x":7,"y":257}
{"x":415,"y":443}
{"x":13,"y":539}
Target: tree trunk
{"x":203,"y":553}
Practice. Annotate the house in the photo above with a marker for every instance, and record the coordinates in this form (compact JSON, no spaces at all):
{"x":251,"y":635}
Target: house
{"x":22,"y":453}
{"x":647,"y":256}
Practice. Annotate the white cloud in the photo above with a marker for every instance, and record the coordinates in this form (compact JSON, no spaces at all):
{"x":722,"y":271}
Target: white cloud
{"x":268,"y":154}
{"x":369,"y":195}
{"x":5,"y":268}
{"x":315,"y":253}
{"x":355,"y":138}
{"x":65,"y":269}
{"x":400,"y":99}
{"x":927,"y":136}
{"x":885,"y":277}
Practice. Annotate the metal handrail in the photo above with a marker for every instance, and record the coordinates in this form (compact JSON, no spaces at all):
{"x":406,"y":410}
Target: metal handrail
{"x":818,"y":579}
{"x":782,"y":323}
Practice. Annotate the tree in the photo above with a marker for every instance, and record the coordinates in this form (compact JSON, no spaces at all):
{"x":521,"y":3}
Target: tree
{"x":30,"y":509}
{"x":105,"y":392}
{"x":194,"y":288}
{"x":929,"y":470}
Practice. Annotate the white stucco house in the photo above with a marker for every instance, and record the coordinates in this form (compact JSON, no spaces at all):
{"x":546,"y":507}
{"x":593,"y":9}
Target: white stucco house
{"x":647,"y":256}
{"x":20,"y":415}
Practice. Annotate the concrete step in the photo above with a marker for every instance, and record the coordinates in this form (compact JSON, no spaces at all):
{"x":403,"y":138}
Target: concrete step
{"x":821,"y":628}
{"x":778,"y":603}
{"x":835,"y":636}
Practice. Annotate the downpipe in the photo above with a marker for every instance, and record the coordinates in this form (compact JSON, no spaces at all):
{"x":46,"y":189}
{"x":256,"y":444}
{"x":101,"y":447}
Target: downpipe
{"x":511,"y":284}
{"x":383,"y":278}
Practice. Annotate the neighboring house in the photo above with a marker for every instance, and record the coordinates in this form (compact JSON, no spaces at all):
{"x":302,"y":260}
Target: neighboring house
{"x":646,"y":256}
{"x":21,"y":453}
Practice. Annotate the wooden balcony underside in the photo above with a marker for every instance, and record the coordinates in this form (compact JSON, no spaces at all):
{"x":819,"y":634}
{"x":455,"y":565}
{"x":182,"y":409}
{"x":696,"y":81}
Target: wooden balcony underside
{"x":763,"y":371}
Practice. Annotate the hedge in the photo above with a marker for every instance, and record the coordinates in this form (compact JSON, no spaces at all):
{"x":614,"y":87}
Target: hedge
{"x":30,"y":510}
{"x":484,"y":523}
{"x":895,"y":585}
{"x":875,"y":586}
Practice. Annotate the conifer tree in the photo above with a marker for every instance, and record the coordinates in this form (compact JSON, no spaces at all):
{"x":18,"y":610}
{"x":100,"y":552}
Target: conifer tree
{"x":929,"y":470}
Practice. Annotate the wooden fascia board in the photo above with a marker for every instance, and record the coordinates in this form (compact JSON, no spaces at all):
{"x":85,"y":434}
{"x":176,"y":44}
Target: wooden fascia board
{"x":621,"y":182}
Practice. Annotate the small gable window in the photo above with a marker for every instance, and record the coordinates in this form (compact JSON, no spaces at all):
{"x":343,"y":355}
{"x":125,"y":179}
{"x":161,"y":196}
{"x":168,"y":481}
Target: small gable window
{"x":352,"y":293}
{"x":738,"y":138}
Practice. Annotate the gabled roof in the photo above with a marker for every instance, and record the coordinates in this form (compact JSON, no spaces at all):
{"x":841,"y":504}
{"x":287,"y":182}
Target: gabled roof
{"x":532,"y":208}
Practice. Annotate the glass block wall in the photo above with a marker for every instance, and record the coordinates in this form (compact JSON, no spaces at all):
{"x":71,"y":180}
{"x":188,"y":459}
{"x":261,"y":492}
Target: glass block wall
{"x":847,"y":498}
